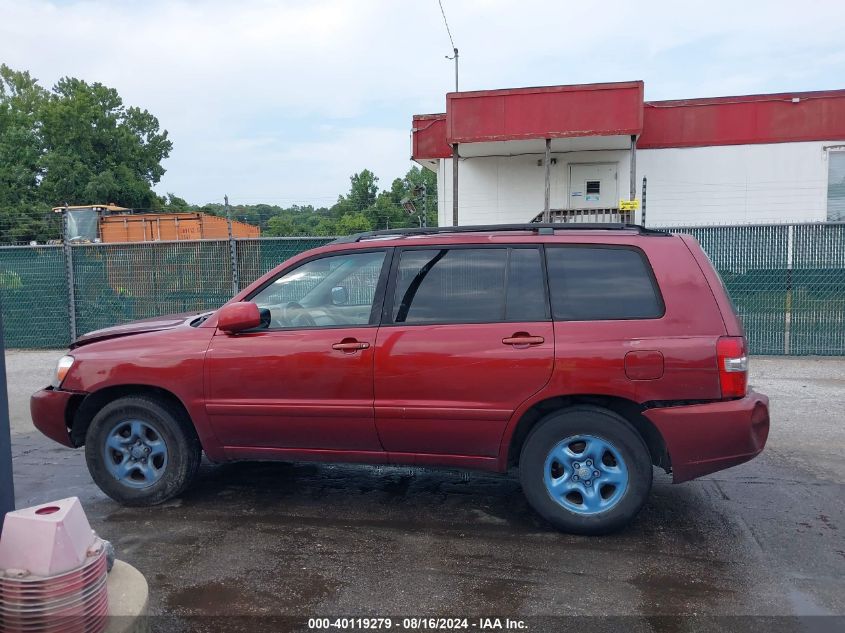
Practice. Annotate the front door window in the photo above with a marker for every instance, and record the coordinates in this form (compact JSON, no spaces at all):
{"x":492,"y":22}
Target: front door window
{"x":333,"y":291}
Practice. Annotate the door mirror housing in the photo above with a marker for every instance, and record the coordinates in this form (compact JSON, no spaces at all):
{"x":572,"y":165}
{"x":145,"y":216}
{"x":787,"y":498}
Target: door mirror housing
{"x":340,"y":296}
{"x":237,"y":317}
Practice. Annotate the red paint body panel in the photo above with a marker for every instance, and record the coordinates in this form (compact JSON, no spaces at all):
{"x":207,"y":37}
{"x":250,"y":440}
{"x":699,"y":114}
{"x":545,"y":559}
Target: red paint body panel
{"x":548,"y":112}
{"x":772,"y":118}
{"x":170,"y":359}
{"x":290,"y":389}
{"x":706,"y":438}
{"x":644,"y":365}
{"x":429,"y":137}
{"x":47,"y":408}
{"x":435,"y":394}
{"x":304,"y":455}
{"x":733,"y":326}
{"x":452,"y":388}
{"x":153,"y":324}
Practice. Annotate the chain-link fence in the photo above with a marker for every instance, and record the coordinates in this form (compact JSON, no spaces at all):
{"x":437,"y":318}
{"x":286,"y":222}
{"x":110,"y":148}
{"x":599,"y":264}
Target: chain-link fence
{"x":33,"y":284}
{"x":787,"y":281}
{"x":117,"y":283}
{"x":257,"y":256}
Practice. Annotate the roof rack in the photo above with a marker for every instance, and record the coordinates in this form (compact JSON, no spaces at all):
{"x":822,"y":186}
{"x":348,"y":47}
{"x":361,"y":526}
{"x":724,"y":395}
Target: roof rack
{"x":536,"y":227}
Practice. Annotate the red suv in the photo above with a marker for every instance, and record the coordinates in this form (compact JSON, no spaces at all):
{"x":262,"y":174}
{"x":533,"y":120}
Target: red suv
{"x":581,"y":354}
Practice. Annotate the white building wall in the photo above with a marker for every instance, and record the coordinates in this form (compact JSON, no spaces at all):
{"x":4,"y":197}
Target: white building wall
{"x":510,"y":189}
{"x":735,"y":184}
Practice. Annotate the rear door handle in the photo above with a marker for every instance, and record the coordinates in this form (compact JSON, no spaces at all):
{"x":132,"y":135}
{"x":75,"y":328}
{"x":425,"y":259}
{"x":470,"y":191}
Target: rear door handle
{"x":523,"y":339}
{"x":350,"y":345}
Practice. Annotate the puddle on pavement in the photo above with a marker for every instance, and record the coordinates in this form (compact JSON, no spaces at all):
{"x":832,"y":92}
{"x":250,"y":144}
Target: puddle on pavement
{"x":234,"y":596}
{"x":664,"y":594}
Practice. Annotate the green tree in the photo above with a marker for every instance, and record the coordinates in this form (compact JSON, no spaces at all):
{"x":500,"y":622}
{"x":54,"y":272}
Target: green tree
{"x":363,"y":190}
{"x":98,"y":150}
{"x":352,"y":223}
{"x":280,"y":226}
{"x":79,"y":144}
{"x":174,"y":204}
{"x":23,"y":214}
{"x":75,"y":144}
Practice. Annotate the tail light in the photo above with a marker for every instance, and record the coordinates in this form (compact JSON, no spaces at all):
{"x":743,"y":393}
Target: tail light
{"x":733,"y":366}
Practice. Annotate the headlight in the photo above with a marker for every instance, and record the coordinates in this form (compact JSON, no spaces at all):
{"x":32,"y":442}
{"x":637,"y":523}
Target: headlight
{"x":62,"y":368}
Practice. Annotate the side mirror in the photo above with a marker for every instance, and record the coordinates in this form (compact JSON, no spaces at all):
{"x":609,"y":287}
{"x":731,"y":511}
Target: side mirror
{"x":237,"y":317}
{"x":340,"y":297}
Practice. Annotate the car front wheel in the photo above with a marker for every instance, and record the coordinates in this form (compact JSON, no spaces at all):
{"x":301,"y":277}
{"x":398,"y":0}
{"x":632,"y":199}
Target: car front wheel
{"x":141,"y":451}
{"x":585,"y":470}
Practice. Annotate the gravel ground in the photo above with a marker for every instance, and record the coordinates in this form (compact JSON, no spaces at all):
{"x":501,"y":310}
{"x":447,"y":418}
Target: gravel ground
{"x":766,"y":538}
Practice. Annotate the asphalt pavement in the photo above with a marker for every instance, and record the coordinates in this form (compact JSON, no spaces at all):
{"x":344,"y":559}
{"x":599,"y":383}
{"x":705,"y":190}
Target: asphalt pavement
{"x":751,"y":547}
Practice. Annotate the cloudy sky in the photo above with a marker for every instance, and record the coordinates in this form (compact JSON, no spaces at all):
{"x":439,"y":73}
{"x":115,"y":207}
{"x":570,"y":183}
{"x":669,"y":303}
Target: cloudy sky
{"x":280,"y":102}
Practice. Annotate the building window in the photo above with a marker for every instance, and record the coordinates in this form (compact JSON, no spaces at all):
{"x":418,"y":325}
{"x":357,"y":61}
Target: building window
{"x":594,"y":186}
{"x":836,"y":186}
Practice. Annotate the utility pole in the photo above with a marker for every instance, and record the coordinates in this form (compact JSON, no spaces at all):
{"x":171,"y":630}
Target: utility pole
{"x":233,"y":248}
{"x":7,"y":485}
{"x":454,"y":149}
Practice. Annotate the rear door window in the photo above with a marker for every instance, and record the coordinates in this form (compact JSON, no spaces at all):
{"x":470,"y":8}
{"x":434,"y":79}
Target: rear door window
{"x":594,"y":283}
{"x":526,"y":298}
{"x":469,"y":285}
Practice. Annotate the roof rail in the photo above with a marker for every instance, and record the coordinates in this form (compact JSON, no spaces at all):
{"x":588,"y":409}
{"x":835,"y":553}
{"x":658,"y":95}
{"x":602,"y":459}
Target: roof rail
{"x":536,"y":227}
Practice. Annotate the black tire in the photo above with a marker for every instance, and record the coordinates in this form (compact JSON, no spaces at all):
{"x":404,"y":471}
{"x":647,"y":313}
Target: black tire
{"x":183,"y":450}
{"x":607,"y":426}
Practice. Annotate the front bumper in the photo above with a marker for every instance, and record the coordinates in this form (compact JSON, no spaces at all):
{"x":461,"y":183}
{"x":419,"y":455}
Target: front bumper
{"x":48,"y":408}
{"x":705,"y":438}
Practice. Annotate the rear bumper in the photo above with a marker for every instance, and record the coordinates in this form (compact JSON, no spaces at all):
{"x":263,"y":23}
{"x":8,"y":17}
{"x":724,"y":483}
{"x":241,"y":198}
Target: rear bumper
{"x":705,"y":438}
{"x":48,"y":408}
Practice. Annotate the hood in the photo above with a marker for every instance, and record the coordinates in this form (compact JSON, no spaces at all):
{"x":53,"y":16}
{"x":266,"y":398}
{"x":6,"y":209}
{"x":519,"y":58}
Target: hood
{"x":154,"y":324}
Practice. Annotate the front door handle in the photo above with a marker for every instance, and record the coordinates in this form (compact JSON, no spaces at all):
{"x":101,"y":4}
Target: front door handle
{"x":521,"y":338}
{"x":350,"y":345}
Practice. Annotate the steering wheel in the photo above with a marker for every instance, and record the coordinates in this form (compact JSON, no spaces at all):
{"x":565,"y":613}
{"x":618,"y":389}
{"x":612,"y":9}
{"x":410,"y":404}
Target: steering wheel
{"x":294,"y":315}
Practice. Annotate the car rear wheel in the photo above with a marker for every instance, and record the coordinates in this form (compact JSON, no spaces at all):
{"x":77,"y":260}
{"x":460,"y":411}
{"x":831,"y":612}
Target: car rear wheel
{"x":585,"y":470}
{"x":141,"y":451}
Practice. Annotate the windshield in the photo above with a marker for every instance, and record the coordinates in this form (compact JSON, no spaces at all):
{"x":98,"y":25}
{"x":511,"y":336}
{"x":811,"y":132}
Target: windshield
{"x":82,"y":225}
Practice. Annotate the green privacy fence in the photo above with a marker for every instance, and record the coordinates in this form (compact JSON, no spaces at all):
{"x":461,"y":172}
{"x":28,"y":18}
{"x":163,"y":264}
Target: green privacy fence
{"x":33,"y":285}
{"x":787,"y":282}
{"x":117,"y":283}
{"x":752,"y":261}
{"x":816,"y":290}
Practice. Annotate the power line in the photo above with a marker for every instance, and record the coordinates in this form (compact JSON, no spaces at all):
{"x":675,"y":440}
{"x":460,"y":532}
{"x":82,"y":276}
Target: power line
{"x":446,"y":22}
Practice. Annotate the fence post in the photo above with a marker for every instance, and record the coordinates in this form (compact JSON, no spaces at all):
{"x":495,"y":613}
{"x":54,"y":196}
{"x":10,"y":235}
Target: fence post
{"x":787,"y":317}
{"x":233,"y":249}
{"x":71,"y":291}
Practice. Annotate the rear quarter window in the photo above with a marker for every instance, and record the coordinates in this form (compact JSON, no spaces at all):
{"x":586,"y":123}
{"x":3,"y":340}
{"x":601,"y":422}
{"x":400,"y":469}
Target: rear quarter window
{"x":597,"y":283}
